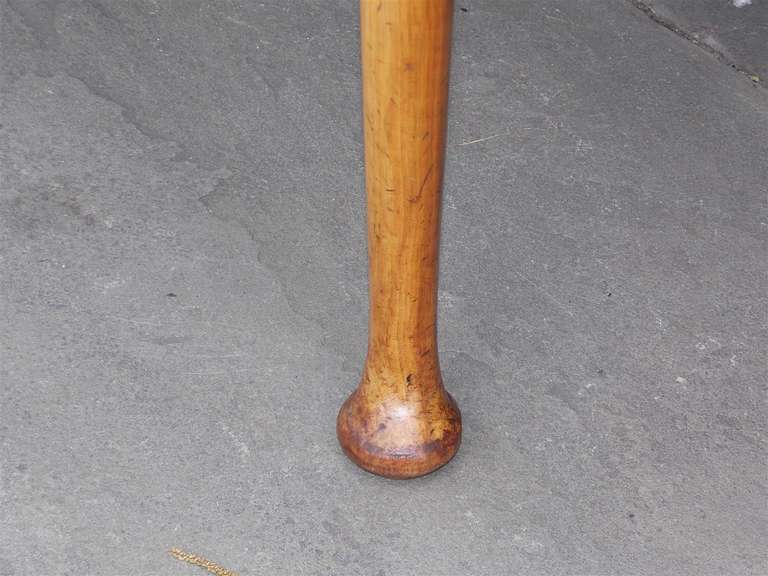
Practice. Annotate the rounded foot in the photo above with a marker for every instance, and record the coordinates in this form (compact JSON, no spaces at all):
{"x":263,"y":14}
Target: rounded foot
{"x":397,"y":439}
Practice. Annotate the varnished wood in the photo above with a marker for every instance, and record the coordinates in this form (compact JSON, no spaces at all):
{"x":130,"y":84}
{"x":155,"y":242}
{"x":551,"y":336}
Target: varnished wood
{"x":400,"y":422}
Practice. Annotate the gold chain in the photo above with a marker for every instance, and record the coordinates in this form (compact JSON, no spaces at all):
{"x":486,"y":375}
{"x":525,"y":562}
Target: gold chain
{"x":196,"y":560}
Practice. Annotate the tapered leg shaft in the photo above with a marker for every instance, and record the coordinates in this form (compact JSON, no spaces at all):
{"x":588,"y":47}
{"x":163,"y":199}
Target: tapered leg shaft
{"x":400,"y":422}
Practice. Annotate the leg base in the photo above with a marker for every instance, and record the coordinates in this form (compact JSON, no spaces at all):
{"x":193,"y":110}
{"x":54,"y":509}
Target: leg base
{"x":396,"y":439}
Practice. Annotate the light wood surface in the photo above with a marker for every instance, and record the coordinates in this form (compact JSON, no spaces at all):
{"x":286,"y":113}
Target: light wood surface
{"x":400,"y":422}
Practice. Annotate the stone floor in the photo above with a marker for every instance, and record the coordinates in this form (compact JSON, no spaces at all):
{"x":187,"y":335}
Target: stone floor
{"x":735,"y":30}
{"x":183,"y":296}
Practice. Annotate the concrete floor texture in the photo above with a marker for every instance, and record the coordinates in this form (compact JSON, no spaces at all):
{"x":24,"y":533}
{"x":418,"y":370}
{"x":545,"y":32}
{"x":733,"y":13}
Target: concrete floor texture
{"x":183,"y":295}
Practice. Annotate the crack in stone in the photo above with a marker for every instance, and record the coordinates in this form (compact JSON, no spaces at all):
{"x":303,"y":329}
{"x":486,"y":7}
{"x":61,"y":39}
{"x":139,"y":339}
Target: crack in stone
{"x":646,"y":9}
{"x":39,"y":19}
{"x":129,"y":114}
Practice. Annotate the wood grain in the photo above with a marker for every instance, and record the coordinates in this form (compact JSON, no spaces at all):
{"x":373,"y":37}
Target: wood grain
{"x":400,"y":422}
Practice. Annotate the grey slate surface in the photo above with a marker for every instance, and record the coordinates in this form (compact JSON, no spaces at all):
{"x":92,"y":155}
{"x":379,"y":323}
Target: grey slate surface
{"x":737,"y":31}
{"x":183,"y":296}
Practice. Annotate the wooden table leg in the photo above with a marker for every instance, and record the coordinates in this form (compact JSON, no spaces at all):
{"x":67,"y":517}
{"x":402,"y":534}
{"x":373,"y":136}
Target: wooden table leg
{"x":400,"y":422}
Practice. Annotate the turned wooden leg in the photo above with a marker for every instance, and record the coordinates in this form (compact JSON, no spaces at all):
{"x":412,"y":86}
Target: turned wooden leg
{"x":400,"y":422}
